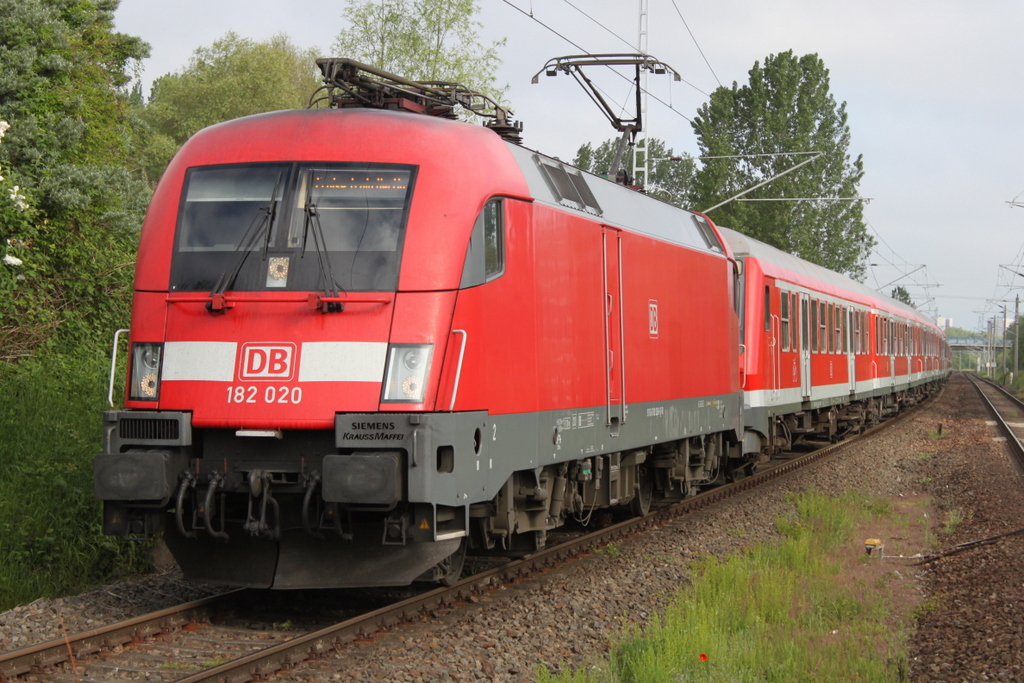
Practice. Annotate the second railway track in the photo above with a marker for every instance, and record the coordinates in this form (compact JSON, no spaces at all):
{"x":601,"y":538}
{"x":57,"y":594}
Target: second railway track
{"x":1008,"y":411}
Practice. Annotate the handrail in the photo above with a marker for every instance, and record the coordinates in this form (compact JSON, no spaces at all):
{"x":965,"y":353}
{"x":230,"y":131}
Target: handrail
{"x":113,"y":366}
{"x":458,"y":366}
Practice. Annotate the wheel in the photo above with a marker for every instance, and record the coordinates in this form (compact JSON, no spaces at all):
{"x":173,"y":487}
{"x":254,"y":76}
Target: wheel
{"x":640,"y":505}
{"x":451,"y":566}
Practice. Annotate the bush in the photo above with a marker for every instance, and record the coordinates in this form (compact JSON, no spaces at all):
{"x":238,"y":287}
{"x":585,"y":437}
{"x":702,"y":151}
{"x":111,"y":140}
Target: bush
{"x":51,"y":539}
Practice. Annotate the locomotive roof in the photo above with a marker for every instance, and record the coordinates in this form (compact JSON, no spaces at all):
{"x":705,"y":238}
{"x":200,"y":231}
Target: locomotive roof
{"x":611,"y":203}
{"x":786,"y":266}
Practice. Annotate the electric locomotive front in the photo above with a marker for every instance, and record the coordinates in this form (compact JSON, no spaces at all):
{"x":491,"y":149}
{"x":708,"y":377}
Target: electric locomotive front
{"x":291,"y":325}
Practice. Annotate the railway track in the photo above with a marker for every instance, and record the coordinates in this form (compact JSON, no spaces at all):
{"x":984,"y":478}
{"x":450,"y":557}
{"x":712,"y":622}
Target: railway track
{"x":196,"y":642}
{"x":1008,"y":412}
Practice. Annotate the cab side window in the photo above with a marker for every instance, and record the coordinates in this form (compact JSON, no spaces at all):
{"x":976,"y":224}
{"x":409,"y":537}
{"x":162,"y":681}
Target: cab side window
{"x":493,"y":217}
{"x":485,"y":256}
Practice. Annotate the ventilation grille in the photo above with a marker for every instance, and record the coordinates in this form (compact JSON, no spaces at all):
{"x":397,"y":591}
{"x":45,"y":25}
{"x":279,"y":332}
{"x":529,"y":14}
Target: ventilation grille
{"x":136,"y":429}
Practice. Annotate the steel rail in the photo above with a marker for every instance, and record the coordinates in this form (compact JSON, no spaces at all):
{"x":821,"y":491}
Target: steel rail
{"x":266,"y":662}
{"x":1011,"y":437}
{"x":18,"y":662}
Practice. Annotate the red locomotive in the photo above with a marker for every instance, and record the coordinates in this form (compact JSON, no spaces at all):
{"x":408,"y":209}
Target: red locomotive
{"x":365,"y":340}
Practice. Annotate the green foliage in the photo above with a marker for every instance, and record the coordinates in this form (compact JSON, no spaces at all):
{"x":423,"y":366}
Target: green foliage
{"x":69,"y":208}
{"x":71,"y":203}
{"x":785,"y":108}
{"x":772,"y":613}
{"x":670,"y":181}
{"x":50,"y":537}
{"x":901,"y":294}
{"x":234,"y":77}
{"x":423,"y":40}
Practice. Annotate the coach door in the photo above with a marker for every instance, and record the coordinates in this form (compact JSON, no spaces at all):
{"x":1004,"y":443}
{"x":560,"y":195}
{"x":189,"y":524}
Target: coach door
{"x":615,"y":375}
{"x":892,"y":353}
{"x":852,"y":339}
{"x":805,"y":347}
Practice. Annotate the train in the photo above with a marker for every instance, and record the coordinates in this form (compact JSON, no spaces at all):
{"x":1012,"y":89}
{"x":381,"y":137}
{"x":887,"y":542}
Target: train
{"x":370,"y":338}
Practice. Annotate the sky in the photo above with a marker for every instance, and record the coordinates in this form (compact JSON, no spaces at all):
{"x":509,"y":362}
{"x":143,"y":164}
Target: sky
{"x":934,"y":92}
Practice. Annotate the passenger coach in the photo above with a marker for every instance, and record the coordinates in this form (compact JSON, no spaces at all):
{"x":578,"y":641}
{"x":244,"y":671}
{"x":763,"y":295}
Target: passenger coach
{"x":824,"y":355}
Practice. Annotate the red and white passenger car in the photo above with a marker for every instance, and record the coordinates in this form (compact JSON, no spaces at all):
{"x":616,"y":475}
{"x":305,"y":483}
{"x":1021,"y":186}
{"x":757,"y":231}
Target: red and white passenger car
{"x":823,"y":354}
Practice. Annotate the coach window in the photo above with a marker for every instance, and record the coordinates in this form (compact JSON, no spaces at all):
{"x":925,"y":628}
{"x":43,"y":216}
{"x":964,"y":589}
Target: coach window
{"x":784,"y":320}
{"x":829,"y":325}
{"x":839,"y":328}
{"x":854,"y":332}
{"x":822,"y":329}
{"x":865,"y":327}
{"x":767,"y":309}
{"x":794,"y":318}
{"x":814,"y":325}
{"x":485,"y":257}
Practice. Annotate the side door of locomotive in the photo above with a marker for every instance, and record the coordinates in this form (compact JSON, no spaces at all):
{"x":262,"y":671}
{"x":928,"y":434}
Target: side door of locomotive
{"x":614,"y":330}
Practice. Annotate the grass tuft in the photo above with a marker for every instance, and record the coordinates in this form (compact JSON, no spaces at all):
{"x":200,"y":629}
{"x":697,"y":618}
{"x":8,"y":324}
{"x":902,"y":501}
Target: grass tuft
{"x":772,"y":613}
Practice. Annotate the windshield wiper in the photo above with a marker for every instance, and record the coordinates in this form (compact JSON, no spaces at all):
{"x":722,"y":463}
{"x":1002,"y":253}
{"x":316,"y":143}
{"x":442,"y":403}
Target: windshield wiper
{"x":252,"y":234}
{"x":312,"y":219}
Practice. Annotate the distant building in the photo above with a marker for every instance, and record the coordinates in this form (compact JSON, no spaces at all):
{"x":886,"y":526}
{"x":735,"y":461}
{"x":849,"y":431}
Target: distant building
{"x":997,"y":326}
{"x":944,"y":323}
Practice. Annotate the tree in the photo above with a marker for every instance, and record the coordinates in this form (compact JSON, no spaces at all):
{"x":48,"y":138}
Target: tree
{"x":670,"y":181}
{"x":234,"y":77}
{"x":901,"y":294}
{"x":785,"y":108}
{"x":422,"y":40}
{"x":70,"y":205}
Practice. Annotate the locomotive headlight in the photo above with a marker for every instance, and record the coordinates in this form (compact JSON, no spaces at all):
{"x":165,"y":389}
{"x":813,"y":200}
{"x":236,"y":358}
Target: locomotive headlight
{"x":147,"y":360}
{"x":406,"y":373}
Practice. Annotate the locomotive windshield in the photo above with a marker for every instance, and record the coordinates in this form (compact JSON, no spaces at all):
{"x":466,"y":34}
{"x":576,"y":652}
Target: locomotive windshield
{"x":295,"y":226}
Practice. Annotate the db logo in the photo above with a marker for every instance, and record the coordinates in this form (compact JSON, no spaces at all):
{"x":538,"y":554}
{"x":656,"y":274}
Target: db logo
{"x":652,"y":318}
{"x":267,"y":361}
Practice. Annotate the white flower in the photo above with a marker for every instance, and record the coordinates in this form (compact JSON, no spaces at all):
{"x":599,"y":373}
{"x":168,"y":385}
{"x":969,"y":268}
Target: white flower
{"x":3,"y":128}
{"x":18,"y":198}
{"x":12,"y":261}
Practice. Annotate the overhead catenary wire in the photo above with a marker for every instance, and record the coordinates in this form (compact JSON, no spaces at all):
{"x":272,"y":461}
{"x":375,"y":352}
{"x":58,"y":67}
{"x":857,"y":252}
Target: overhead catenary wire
{"x":694,"y":38}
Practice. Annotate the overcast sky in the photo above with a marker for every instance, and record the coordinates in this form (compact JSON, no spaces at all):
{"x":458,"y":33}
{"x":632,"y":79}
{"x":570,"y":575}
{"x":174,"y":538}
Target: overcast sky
{"x":933,"y":90}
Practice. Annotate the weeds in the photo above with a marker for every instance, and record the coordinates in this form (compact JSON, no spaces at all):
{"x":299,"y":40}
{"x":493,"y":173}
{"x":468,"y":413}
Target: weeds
{"x":612,"y":549}
{"x":772,"y":613}
{"x":954,"y":518}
